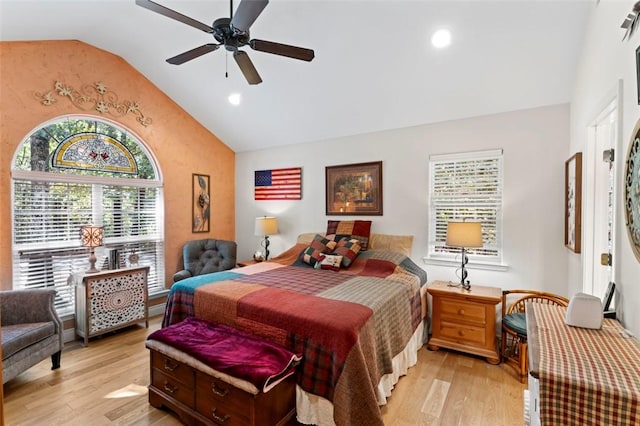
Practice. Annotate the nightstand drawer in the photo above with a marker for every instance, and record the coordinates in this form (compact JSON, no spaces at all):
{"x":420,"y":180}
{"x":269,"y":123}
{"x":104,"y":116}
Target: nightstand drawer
{"x":463,"y":333}
{"x":457,"y":310}
{"x":464,"y":320}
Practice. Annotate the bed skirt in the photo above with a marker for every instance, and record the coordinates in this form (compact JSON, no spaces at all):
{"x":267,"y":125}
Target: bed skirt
{"x":314,"y":410}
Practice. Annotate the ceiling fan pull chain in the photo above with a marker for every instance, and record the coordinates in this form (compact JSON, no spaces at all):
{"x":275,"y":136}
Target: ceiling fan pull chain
{"x":226,"y":64}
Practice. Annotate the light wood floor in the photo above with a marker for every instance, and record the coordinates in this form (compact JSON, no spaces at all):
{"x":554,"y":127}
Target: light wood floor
{"x":105,"y":384}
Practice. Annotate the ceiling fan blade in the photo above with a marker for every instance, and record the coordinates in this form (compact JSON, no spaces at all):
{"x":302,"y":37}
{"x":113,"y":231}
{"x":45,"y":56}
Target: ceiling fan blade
{"x":247,"y":68}
{"x":247,"y":12}
{"x":155,"y":7}
{"x":282,"y":49}
{"x":192,"y":54}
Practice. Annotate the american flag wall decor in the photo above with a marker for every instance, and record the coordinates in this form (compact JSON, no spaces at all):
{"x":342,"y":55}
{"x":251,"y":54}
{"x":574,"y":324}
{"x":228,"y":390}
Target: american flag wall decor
{"x":278,"y":184}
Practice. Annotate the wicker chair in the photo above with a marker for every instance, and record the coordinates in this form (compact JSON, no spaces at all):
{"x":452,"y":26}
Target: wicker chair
{"x":513,"y":345}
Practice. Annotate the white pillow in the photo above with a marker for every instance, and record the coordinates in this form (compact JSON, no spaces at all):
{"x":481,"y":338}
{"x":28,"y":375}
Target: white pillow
{"x":330,"y":261}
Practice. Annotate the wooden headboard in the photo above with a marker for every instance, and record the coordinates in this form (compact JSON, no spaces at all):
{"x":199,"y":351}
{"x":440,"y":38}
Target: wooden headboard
{"x":399,"y":243}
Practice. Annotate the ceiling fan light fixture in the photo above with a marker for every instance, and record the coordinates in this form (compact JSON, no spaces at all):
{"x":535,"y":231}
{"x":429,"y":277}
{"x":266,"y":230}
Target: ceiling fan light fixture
{"x":441,"y":38}
{"x":235,"y":98}
{"x":231,"y":33}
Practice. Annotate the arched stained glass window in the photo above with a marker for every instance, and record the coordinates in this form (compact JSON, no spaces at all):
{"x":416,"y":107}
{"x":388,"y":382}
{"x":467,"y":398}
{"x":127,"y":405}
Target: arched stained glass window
{"x":76,"y":171}
{"x":94,"y":151}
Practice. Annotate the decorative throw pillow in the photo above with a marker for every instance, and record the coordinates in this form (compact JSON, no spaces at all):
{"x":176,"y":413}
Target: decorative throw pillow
{"x":330,"y":261}
{"x":348,"y":249}
{"x":350,"y":229}
{"x":318,"y":246}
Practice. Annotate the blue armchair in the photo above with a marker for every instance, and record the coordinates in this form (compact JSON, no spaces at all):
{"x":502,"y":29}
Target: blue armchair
{"x":206,"y":256}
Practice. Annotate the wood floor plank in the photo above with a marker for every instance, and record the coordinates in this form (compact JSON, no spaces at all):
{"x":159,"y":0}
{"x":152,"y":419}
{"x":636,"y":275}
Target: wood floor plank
{"x":105,"y":384}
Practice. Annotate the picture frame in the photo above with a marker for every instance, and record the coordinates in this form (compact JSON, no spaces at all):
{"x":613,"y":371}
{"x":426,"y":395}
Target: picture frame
{"x":573,"y":203}
{"x":638,"y":73}
{"x":200,"y":203}
{"x":354,"y":189}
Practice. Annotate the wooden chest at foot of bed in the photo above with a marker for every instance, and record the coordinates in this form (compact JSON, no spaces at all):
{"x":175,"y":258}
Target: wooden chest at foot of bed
{"x":199,"y":398}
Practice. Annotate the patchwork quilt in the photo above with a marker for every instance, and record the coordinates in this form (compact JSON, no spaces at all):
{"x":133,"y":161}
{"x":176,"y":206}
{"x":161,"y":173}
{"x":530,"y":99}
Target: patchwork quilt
{"x":347,"y":324}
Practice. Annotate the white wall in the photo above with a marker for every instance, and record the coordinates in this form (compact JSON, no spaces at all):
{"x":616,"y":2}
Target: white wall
{"x":535,"y":143}
{"x":606,"y":59}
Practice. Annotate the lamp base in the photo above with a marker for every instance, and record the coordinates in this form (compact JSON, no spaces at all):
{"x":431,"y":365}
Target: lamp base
{"x":265,"y":243}
{"x":464,"y":282}
{"x":92,"y":263}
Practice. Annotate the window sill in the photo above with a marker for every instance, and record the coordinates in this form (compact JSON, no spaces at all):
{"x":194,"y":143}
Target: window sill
{"x":487,"y":266}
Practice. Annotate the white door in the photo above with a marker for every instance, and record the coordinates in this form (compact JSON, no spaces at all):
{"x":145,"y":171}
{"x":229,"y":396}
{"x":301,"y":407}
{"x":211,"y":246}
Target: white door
{"x":600,"y":208}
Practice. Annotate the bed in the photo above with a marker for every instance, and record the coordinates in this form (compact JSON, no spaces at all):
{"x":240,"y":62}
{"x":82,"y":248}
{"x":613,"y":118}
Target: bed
{"x":358,"y":329}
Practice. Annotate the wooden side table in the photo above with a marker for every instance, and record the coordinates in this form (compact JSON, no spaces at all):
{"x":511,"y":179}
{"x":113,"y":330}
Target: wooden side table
{"x":246,"y":263}
{"x":464,"y":320}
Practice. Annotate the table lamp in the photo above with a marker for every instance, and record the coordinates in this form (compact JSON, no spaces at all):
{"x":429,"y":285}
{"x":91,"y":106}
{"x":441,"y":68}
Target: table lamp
{"x":464,"y":235}
{"x":92,"y":237}
{"x":265,"y":226}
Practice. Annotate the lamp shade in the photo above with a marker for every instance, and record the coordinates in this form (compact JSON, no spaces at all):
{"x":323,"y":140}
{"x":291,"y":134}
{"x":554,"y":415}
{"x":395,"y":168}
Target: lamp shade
{"x":91,"y":235}
{"x":464,"y":234}
{"x":266,"y":226}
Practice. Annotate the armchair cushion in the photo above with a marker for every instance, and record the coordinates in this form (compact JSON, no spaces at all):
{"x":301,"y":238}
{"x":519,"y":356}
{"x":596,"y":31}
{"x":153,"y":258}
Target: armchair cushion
{"x":206,"y":256}
{"x":517,"y":322}
{"x":20,"y":336}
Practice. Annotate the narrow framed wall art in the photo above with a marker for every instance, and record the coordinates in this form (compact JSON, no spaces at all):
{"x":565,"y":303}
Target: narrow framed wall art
{"x":200,"y":203}
{"x":573,"y":203}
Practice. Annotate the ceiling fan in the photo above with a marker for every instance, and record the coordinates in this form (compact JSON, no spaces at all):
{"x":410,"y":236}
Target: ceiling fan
{"x":232,"y":33}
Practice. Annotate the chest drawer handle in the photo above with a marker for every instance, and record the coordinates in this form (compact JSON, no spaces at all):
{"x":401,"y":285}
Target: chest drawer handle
{"x":219,"y":391}
{"x":460,"y":333}
{"x":217,"y":418}
{"x":169,"y":387}
{"x":461,"y":311}
{"x":170,"y":366}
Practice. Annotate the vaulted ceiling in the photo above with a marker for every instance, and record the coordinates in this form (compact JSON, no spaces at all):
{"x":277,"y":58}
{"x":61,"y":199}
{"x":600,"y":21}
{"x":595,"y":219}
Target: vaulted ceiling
{"x":374,"y":68}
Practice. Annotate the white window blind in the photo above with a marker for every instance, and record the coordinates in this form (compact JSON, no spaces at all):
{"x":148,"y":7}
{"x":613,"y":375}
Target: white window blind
{"x":466,"y":186}
{"x":51,"y":202}
{"x":47,"y":221}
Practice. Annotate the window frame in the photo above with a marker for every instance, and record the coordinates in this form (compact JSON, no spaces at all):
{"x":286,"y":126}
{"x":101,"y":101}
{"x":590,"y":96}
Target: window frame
{"x":72,"y":254}
{"x":451,"y":256}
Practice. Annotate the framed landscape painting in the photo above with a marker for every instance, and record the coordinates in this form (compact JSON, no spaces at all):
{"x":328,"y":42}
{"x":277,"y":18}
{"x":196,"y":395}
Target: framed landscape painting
{"x":354,"y":189}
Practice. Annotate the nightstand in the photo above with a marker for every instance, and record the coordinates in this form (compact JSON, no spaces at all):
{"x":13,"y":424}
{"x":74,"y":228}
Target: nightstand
{"x":464,"y":320}
{"x":247,"y":263}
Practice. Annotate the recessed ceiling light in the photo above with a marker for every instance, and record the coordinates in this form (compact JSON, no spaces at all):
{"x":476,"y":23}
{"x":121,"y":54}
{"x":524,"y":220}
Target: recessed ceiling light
{"x":234,"y":98}
{"x":441,"y":38}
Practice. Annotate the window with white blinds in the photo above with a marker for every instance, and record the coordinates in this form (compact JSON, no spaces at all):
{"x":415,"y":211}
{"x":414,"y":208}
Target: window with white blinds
{"x":50,"y":206}
{"x":466,"y":186}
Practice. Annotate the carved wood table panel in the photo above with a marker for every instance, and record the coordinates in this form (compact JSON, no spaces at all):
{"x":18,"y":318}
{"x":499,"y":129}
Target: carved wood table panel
{"x":109,"y":300}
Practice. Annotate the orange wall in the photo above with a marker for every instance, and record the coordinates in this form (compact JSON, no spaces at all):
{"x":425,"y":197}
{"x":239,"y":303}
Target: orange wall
{"x":179,"y":143}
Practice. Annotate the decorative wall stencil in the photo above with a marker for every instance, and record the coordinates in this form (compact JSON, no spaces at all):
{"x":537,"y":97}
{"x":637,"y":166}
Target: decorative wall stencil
{"x":200,"y":203}
{"x":94,"y":97}
{"x":632,"y":191}
{"x":94,"y":151}
{"x":573,"y":203}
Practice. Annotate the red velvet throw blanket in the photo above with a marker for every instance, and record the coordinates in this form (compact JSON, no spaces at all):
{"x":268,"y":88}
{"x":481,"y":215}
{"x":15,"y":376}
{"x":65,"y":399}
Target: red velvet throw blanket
{"x":230,"y":351}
